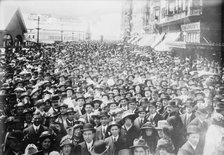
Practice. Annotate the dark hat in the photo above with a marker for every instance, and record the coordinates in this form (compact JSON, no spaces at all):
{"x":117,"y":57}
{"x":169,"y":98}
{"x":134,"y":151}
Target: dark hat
{"x":113,"y":123}
{"x":80,"y":98}
{"x":54,"y":114}
{"x":192,"y":129}
{"x":172,"y":104}
{"x":69,"y":88}
{"x":109,"y":104}
{"x":131,"y":100}
{"x":100,"y":147}
{"x":97,"y":101}
{"x":104,"y":114}
{"x":63,"y":105}
{"x":139,"y":143}
{"x":16,"y":134}
{"x":44,"y":135}
{"x":70,"y":110}
{"x":147,"y":125}
{"x":55,"y":98}
{"x":88,"y":127}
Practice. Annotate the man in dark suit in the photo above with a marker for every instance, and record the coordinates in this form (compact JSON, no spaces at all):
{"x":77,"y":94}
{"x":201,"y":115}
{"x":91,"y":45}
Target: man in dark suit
{"x":115,"y":142}
{"x":128,"y":130}
{"x":193,"y":139}
{"x":88,"y":115}
{"x":101,"y":131}
{"x":189,"y":115}
{"x":86,"y":147}
{"x":200,"y":121}
{"x":140,"y":120}
{"x":32,"y":133}
{"x":153,"y":116}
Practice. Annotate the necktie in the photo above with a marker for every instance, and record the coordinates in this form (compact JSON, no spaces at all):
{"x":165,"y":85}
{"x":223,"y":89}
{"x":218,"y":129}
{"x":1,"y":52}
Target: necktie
{"x":114,"y":139}
{"x":36,"y":130}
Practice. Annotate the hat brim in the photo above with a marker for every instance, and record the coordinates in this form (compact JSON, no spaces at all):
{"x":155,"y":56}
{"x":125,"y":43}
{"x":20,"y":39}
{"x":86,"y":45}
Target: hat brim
{"x":88,"y":129}
{"x":145,"y":147}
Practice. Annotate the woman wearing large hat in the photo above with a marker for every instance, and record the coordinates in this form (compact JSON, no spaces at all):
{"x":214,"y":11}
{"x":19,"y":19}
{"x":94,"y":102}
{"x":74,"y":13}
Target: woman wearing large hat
{"x":66,"y":145}
{"x":150,"y":135}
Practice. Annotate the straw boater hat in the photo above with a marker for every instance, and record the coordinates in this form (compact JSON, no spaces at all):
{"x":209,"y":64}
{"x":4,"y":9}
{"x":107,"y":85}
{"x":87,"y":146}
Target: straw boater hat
{"x":30,"y":149}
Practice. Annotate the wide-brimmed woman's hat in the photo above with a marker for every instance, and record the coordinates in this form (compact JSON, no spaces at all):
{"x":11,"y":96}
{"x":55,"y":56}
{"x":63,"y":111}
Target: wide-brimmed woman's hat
{"x":66,"y":140}
{"x":100,"y":148}
{"x":147,"y":125}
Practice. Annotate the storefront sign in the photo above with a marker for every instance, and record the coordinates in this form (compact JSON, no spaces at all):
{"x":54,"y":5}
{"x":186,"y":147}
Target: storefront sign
{"x":191,"y":27}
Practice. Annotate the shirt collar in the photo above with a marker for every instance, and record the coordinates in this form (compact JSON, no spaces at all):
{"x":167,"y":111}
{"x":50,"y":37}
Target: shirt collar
{"x":36,"y":127}
{"x":194,"y":147}
{"x":89,"y":144}
{"x":115,"y":137}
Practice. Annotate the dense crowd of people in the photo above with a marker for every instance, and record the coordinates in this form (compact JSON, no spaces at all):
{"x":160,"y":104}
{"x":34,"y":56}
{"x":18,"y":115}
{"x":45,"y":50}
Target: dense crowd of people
{"x":96,"y":98}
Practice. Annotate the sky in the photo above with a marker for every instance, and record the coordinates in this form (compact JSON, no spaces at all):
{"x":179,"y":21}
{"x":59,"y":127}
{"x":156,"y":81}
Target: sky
{"x":103,"y":15}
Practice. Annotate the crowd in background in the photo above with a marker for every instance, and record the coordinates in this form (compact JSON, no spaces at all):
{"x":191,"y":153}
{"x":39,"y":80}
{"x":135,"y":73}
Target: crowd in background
{"x":90,"y":98}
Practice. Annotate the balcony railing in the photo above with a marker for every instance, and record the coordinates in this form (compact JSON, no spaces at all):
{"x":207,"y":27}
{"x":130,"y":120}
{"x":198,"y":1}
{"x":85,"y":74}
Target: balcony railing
{"x":193,"y":11}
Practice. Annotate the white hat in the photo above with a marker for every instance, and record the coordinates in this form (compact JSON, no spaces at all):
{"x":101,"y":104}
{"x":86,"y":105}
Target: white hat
{"x":30,"y":149}
{"x":54,"y":153}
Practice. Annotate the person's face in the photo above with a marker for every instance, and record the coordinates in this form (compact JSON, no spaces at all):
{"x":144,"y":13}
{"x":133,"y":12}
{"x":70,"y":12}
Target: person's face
{"x":114,"y":130}
{"x":132,"y":105}
{"x":163,"y":152}
{"x":77,"y":131}
{"x":189,"y":109}
{"x":88,"y":136}
{"x":152,"y":109}
{"x":66,"y":149}
{"x":37,"y":120}
{"x":201,"y":104}
{"x":28,"y":117}
{"x":113,"y":106}
{"x":160,"y":133}
{"x":71,"y":115}
{"x":96,"y":121}
{"x":81,"y":102}
{"x":139,"y":151}
{"x":128,"y":122}
{"x":147,"y":93}
{"x":103,"y":120}
{"x":148,"y":132}
{"x":88,"y":108}
{"x":20,"y":110}
{"x":15,"y":145}
{"x":184,"y":91}
{"x":116,"y":92}
{"x":69,"y":93}
{"x":63,"y":110}
{"x":58,"y":127}
{"x":47,"y":106}
{"x":46,"y":144}
{"x":194,"y":139}
{"x":142,"y":114}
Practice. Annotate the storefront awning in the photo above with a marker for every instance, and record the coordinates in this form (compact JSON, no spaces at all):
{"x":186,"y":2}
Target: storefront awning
{"x":158,"y":39}
{"x":146,"y":40}
{"x":169,"y":37}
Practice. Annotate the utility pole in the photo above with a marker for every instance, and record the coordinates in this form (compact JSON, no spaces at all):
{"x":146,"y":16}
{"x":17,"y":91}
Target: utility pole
{"x":61,"y":32}
{"x":38,"y":29}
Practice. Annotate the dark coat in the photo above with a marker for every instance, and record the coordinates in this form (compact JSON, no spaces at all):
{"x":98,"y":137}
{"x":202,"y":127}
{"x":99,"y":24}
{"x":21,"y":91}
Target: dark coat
{"x":99,"y":133}
{"x":155,"y":119}
{"x":130,"y":135}
{"x":115,"y":147}
{"x":82,"y":149}
{"x":31,"y":137}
